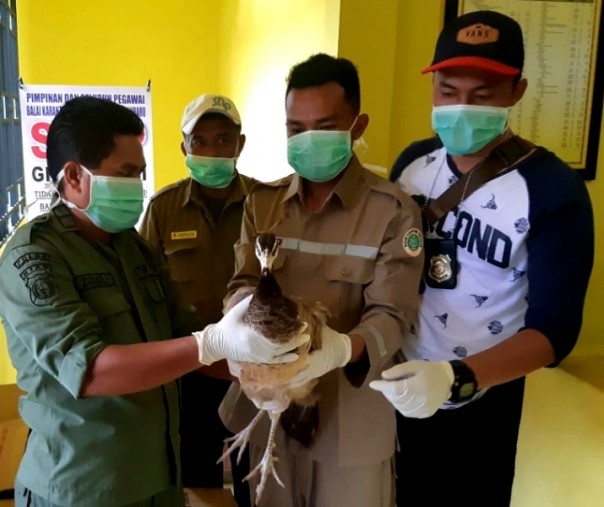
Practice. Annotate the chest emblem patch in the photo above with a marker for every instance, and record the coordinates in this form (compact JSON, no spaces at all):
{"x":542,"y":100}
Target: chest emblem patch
{"x":183,"y":235}
{"x":413,"y":242}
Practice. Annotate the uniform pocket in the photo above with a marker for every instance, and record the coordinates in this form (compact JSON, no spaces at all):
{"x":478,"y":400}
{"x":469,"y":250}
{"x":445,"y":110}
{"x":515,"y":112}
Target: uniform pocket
{"x":104,"y":303}
{"x":347,"y":278}
{"x":348,"y":269}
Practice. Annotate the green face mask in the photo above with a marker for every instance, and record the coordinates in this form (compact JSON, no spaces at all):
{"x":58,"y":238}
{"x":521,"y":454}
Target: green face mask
{"x":116,"y":203}
{"x":319,"y":155}
{"x":212,"y":172}
{"x":466,"y":129}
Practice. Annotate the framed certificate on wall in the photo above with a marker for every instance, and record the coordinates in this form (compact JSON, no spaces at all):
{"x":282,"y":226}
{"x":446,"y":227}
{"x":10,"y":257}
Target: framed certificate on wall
{"x":562,"y":107}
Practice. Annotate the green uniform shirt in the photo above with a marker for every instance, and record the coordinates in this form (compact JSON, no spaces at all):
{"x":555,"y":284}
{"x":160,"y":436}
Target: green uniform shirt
{"x":62,"y":300}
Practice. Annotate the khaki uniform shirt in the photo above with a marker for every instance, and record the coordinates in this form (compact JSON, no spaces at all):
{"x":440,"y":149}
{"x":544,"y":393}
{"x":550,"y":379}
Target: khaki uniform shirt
{"x":357,"y":258}
{"x":199,"y":249}
{"x":63,"y":299}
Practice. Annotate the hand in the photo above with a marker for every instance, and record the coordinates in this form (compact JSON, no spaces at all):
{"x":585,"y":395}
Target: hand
{"x":335,"y":352}
{"x":416,"y":388}
{"x":233,"y":339}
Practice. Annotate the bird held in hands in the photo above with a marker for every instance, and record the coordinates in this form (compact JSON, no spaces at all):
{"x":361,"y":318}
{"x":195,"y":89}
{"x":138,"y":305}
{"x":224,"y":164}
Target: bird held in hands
{"x":278,"y":318}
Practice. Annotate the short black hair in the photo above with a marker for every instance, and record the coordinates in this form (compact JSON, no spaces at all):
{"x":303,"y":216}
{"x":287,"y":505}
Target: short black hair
{"x":84,"y":131}
{"x":320,"y":69}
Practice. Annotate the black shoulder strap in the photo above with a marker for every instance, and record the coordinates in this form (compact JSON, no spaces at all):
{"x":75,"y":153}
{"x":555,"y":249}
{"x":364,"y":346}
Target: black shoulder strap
{"x":501,"y":159}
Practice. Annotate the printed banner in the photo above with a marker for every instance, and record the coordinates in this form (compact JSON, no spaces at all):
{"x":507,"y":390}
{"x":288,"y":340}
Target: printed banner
{"x":39,"y":105}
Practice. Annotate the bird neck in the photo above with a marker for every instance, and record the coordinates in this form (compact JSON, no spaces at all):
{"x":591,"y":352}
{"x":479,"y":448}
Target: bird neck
{"x":268,"y":286}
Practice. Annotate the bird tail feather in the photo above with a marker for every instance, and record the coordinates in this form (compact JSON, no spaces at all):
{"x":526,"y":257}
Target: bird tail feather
{"x":300,"y":422}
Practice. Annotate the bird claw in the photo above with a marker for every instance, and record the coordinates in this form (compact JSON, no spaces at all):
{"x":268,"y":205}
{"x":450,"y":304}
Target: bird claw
{"x":265,"y":468}
{"x":240,"y":440}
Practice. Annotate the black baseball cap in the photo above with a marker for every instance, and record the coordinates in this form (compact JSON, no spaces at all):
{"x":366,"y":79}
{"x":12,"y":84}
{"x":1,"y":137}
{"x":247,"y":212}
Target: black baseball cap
{"x":486,"y":40}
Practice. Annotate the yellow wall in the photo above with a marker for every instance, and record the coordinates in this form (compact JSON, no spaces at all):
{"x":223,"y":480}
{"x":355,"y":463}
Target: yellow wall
{"x":390,"y":42}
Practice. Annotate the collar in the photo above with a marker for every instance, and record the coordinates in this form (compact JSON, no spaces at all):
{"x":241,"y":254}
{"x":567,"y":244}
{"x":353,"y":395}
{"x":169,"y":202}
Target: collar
{"x":237,"y":191}
{"x":65,"y":217}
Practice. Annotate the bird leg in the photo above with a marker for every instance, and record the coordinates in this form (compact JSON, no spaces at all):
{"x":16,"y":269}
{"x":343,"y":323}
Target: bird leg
{"x":241,"y":439}
{"x":266,"y":466}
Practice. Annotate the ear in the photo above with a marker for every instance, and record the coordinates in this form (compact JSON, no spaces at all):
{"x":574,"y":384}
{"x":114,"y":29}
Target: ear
{"x":72,"y":177}
{"x":519,"y":89}
{"x":183,"y":149}
{"x":360,"y":126}
{"x":241,"y":144}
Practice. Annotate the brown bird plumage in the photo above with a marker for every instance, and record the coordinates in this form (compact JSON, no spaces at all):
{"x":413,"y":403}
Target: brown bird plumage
{"x":279,"y":318}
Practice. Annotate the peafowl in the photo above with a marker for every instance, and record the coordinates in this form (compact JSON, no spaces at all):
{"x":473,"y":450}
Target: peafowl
{"x":279,"y":318}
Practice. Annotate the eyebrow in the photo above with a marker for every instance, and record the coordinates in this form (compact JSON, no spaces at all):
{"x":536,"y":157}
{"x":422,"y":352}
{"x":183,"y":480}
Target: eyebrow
{"x":202,"y":135}
{"x":486,"y":86}
{"x":133,"y":167}
{"x":325,"y":119}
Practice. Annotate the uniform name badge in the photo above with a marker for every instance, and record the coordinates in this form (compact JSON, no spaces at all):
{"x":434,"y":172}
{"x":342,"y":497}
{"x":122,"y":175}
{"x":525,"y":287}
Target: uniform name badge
{"x":440,"y":266}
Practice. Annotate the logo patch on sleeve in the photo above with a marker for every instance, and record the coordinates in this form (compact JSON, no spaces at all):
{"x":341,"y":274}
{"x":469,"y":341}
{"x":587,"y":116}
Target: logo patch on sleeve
{"x":31,"y":257}
{"x":413,"y":242}
{"x":40,"y":282}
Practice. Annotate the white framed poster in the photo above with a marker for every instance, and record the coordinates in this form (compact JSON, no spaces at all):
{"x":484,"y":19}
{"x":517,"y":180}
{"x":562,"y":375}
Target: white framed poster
{"x":40,"y":103}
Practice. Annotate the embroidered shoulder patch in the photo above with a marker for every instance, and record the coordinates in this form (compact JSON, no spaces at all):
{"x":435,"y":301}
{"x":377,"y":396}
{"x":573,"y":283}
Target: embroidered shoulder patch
{"x":413,"y":242}
{"x":30,"y":257}
{"x":40,"y":282}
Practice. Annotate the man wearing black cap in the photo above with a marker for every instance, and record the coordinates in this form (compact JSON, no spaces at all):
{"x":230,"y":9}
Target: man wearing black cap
{"x":509,"y":251}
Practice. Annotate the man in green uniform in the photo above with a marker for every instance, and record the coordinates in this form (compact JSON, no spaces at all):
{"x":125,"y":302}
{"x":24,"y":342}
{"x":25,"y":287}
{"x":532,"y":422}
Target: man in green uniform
{"x":88,"y":316}
{"x":195,"y":222}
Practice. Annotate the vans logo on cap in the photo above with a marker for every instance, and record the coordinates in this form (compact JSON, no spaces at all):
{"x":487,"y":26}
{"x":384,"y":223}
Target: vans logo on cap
{"x":221,"y":102}
{"x":478,"y":34}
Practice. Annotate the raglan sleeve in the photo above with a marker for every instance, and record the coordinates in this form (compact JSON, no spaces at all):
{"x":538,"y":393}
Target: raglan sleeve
{"x":561,"y":254}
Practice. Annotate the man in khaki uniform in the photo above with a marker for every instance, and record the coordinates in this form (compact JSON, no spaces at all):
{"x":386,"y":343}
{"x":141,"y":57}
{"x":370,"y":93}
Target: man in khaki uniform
{"x":196,"y":222}
{"x":353,"y":241}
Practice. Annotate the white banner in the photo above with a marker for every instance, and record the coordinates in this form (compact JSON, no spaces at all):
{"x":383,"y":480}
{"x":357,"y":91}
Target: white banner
{"x":39,"y":105}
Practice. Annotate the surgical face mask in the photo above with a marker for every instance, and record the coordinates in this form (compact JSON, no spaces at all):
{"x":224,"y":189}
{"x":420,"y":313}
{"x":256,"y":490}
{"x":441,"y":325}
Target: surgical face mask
{"x":116,"y":203}
{"x":465,"y":129}
{"x":212,"y":172}
{"x":320,"y":155}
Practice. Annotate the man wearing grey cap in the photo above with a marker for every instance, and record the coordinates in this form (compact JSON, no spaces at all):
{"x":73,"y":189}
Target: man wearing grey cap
{"x":195,"y":222}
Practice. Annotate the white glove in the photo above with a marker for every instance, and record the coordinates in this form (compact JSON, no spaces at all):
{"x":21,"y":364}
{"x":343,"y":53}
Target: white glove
{"x":231,"y":338}
{"x":234,"y":368}
{"x":335,"y":352}
{"x":416,"y":388}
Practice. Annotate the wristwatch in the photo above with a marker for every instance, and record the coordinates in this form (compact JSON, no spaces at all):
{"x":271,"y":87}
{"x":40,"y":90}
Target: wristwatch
{"x":464,"y":385}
